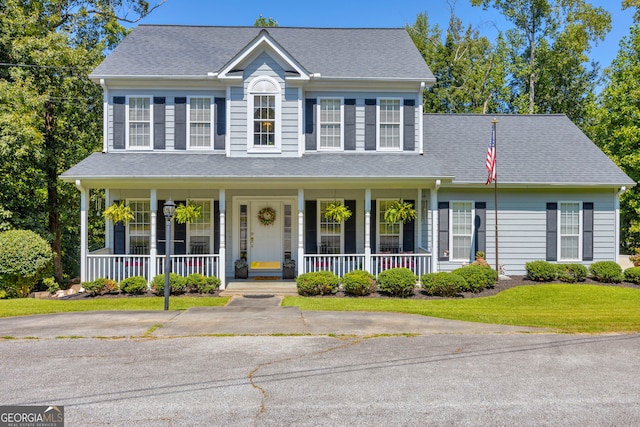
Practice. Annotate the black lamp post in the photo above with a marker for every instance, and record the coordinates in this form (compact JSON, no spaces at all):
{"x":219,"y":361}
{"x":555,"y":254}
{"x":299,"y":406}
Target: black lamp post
{"x":169,"y":210}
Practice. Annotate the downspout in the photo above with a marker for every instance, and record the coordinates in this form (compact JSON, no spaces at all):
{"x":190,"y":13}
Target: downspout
{"x":83,"y":231}
{"x":435,"y":221}
{"x":421,"y":118}
{"x":105,"y":116}
{"x":617,"y":220}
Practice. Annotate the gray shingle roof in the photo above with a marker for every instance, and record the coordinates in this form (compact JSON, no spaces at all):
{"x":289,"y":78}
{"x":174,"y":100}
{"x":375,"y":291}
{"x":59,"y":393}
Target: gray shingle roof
{"x":531,"y":149}
{"x":171,"y":50}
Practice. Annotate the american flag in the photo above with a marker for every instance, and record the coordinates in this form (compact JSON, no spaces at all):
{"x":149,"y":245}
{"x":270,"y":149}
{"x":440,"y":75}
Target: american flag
{"x":491,"y":157}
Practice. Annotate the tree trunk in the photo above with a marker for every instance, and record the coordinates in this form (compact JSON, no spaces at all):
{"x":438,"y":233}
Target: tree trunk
{"x":51,"y":174}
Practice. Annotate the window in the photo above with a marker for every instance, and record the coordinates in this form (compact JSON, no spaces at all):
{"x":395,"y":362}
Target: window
{"x":389,"y":124}
{"x":200,"y":122}
{"x":264,"y":115}
{"x":330,"y":238}
{"x":199,"y":232}
{"x":139,"y":227}
{"x":388,"y":233}
{"x":139,"y":122}
{"x":330,"y":124}
{"x":243,"y":231}
{"x":569,"y":230}
{"x":461,"y":230}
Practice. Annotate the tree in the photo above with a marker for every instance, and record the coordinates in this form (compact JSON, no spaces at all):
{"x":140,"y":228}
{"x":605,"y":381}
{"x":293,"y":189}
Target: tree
{"x":261,"y":21}
{"x":549,"y":45}
{"x":50,"y":112}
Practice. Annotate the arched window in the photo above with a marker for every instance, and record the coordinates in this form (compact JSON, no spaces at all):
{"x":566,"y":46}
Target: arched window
{"x":264,"y":115}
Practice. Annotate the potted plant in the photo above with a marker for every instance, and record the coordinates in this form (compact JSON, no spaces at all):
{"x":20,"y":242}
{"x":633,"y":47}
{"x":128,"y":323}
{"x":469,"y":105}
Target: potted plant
{"x":399,"y":211}
{"x":337,"y":211}
{"x":119,"y":212}
{"x":480,"y":259}
{"x":188,"y":213}
{"x":241,"y":269}
{"x":289,"y":268}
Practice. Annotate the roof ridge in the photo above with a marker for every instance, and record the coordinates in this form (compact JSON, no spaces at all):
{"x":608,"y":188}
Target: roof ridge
{"x":279,"y":27}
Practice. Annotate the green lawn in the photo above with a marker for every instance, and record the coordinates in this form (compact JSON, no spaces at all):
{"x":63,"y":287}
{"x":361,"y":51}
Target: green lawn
{"x":29,"y":306}
{"x":561,"y":308}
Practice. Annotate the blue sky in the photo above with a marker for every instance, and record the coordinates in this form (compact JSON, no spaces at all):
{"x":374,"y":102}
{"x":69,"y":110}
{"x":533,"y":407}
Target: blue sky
{"x":364,"y":13}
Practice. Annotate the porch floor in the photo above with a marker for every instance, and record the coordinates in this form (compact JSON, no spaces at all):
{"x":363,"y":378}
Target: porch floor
{"x":259,"y":287}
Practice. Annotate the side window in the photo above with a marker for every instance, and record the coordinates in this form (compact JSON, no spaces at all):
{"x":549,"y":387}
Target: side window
{"x":569,"y":230}
{"x":200,"y":119}
{"x":330,"y":123}
{"x":139,"y":122}
{"x":461,"y":230}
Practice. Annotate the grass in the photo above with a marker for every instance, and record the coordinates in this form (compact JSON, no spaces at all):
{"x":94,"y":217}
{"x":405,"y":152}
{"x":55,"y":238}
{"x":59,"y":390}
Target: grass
{"x":30,"y":306}
{"x":560,"y":308}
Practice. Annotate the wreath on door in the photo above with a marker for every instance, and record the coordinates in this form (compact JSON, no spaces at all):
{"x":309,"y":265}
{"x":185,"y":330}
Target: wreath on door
{"x":267,"y":216}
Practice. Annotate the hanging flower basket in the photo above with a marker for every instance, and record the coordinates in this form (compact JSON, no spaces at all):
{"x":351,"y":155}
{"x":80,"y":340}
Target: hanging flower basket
{"x":267,"y":216}
{"x":188,"y":213}
{"x":400,"y":211}
{"x":337,"y":211}
{"x":119,"y":212}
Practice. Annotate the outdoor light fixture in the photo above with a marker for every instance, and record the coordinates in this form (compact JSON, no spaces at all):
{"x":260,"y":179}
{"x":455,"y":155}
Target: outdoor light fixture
{"x":169,"y":210}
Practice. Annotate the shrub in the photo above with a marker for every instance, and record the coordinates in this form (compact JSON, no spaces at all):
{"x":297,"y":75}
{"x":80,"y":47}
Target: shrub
{"x":359,"y":282}
{"x":197,"y":282}
{"x":541,"y":271}
{"x":632,"y":275}
{"x":398,"y":282}
{"x":606,"y":272}
{"x":177,"y":284}
{"x":133,"y":285}
{"x":51,"y":285}
{"x":477,"y":277}
{"x":24,"y":259}
{"x":572,"y":273}
{"x":100,"y":286}
{"x":317,"y":283}
{"x":443,"y":284}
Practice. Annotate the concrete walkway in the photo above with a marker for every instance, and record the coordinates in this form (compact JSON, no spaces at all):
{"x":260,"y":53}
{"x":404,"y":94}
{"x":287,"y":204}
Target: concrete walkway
{"x":243,"y":315}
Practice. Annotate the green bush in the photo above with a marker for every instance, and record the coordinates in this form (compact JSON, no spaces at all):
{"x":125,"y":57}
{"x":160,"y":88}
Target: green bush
{"x":133,"y":285}
{"x":197,"y":282}
{"x":632,"y":275}
{"x":177,"y":284}
{"x":606,"y":272}
{"x":359,"y":282}
{"x":51,"y":284}
{"x":443,"y":284}
{"x":572,"y":273}
{"x":25,"y":257}
{"x":100,"y":286}
{"x":317,"y":283}
{"x":541,"y":271}
{"x":477,"y":277}
{"x":398,"y":282}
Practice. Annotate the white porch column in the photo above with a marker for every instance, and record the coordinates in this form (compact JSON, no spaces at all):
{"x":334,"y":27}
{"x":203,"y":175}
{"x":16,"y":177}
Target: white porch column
{"x":301,"y":231}
{"x":84,"y":232}
{"x":223,"y":240}
{"x":434,"y":227}
{"x":367,"y":230}
{"x":108,"y":225}
{"x":153,"y":250}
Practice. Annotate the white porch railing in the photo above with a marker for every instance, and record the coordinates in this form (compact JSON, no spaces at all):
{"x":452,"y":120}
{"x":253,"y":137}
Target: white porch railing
{"x":184,"y":265}
{"x":341,"y":264}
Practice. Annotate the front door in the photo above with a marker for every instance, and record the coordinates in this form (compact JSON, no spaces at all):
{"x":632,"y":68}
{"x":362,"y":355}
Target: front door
{"x":265,"y":235}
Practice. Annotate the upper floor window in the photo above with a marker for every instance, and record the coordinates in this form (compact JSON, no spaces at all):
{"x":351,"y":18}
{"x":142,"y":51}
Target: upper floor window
{"x":389,"y":124}
{"x":200,"y":119}
{"x":461,"y":230}
{"x":330,"y":124}
{"x":139,"y":117}
{"x":569,"y":230}
{"x":264,"y":114}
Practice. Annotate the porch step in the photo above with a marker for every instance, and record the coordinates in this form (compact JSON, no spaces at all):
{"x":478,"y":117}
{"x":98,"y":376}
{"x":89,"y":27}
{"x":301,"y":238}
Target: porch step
{"x":257,"y":287}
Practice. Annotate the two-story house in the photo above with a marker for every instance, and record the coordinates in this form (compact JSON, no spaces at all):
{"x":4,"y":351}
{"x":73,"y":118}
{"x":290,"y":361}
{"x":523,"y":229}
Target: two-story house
{"x":263,"y":128}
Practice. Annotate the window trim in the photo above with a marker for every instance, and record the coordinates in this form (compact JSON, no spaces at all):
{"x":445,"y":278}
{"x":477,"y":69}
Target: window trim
{"x":251,"y":94}
{"x":319,"y":218}
{"x":129,"y":224}
{"x":320,"y":123}
{"x":451,"y":234}
{"x":380,"y":213}
{"x":379,"y":124}
{"x":211,"y":122}
{"x":580,"y":230}
{"x":127,"y":123}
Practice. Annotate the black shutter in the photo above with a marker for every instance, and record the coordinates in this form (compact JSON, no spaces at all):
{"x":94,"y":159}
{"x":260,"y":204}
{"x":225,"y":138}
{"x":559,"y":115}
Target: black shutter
{"x":349,"y":124}
{"x":552,"y":232}
{"x":158,"y":123}
{"x":119,"y":122}
{"x":587,"y":231}
{"x":119,"y":237}
{"x":480,"y":226}
{"x":310,"y":234}
{"x":408,"y":232}
{"x":372,"y":227}
{"x":369,"y":124}
{"x":179,"y":235}
{"x":216,"y":227}
{"x":409,"y":137}
{"x":161,"y":228}
{"x":221,"y":124}
{"x":310,"y":133}
{"x":350,"y":228}
{"x":180,"y":138}
{"x":443,"y":231}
